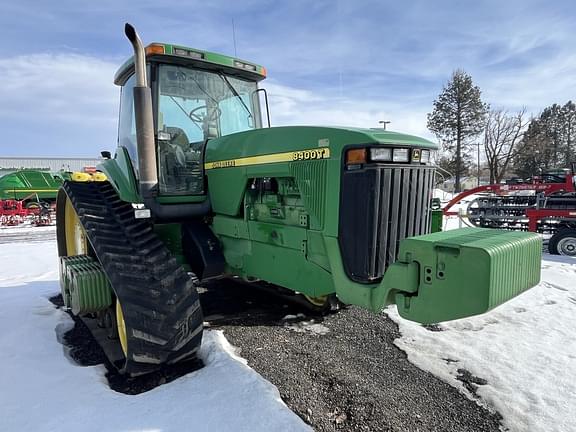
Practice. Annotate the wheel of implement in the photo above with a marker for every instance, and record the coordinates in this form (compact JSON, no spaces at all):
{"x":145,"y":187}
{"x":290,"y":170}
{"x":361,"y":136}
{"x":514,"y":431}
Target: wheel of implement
{"x":117,"y":270}
{"x":563,"y":242}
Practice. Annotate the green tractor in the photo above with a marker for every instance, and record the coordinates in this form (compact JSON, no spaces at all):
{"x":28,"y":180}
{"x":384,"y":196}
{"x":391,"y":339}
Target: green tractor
{"x":199,"y":189}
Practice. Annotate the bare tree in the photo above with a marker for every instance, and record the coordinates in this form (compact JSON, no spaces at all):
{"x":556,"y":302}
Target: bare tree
{"x":502,"y":133}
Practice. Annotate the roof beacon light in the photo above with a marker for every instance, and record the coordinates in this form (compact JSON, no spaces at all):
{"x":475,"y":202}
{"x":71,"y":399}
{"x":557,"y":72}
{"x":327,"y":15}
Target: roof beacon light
{"x":154,"y":49}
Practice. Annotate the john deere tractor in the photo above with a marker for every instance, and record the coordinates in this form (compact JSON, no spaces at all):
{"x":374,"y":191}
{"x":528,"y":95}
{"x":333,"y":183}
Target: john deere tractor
{"x":199,"y":189}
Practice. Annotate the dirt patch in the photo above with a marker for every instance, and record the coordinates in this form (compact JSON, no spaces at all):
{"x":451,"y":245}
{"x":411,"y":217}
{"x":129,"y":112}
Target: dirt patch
{"x":471,"y":382}
{"x":433,"y":327}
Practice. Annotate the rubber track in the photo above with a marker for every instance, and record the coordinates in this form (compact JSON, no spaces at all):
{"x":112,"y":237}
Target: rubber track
{"x":159,"y":300}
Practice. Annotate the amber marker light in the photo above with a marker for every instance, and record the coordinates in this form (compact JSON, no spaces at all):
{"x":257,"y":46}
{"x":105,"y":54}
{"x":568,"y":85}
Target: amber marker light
{"x":154,"y":49}
{"x":356,"y":156}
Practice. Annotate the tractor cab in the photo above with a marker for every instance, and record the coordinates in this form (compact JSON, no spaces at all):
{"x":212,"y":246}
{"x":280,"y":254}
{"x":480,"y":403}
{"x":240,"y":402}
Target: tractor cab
{"x":196,"y":96}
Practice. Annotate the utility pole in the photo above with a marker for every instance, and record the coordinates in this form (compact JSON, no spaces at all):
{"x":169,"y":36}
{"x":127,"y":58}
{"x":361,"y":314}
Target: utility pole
{"x":383,"y":123}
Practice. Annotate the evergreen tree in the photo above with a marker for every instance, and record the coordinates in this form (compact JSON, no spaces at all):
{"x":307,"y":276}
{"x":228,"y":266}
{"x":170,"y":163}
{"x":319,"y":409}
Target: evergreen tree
{"x":549,"y":141}
{"x":458,"y":116}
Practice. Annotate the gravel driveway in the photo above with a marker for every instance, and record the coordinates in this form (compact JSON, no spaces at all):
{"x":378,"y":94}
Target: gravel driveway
{"x":341,"y":372}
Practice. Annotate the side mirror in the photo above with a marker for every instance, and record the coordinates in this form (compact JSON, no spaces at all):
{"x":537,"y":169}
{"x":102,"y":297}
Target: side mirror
{"x":106,"y":155}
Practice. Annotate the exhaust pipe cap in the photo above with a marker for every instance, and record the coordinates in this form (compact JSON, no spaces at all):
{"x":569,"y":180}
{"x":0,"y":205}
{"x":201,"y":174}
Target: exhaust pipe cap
{"x":130,"y":32}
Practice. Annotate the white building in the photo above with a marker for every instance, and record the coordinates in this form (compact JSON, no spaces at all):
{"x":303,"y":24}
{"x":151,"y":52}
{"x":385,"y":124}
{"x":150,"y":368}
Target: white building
{"x":11,"y":164}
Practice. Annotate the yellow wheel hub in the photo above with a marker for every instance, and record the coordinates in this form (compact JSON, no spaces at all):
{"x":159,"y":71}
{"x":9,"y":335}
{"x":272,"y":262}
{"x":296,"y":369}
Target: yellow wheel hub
{"x":121,"y":328}
{"x":76,"y":243}
{"x":316,"y":301}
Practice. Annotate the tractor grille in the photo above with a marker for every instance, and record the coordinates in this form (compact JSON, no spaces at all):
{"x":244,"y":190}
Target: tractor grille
{"x":381,"y":205}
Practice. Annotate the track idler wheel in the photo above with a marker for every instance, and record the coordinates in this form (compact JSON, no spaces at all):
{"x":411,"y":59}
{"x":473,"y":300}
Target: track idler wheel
{"x":121,"y":327}
{"x":71,"y":235}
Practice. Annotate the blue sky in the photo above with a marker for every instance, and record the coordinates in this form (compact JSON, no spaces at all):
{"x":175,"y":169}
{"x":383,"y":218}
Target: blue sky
{"x":329,"y":62}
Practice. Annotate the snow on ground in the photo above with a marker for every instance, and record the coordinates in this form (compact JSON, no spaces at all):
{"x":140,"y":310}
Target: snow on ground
{"x":443,"y":195}
{"x":525,"y":349}
{"x":42,"y":390}
{"x":298,"y":324}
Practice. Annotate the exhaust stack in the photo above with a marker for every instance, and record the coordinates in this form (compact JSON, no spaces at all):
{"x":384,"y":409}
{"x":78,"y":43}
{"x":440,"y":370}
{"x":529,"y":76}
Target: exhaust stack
{"x":147,"y":166}
{"x":144,"y":119}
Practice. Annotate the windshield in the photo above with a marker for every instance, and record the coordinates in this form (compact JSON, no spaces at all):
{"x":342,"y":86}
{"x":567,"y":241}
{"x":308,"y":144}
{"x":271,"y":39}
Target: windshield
{"x":194,"y":106}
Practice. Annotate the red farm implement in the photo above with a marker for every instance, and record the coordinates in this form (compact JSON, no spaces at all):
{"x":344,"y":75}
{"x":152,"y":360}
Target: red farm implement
{"x":12,"y":212}
{"x":15,"y":212}
{"x":545,"y":204}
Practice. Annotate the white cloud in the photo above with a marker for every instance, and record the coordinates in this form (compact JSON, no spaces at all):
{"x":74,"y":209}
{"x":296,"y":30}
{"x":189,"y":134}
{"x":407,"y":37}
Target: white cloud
{"x":346,"y":63}
{"x":69,"y":101}
{"x":68,"y":88}
{"x":57,"y":104}
{"x":293,"y":106}
{"x":536,"y":86}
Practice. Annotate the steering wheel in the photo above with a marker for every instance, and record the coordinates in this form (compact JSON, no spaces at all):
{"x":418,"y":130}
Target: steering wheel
{"x":197,"y":118}
{"x":194,"y":116}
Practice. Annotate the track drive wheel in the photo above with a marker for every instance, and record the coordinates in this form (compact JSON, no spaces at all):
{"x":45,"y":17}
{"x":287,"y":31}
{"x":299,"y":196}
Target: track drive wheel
{"x":563,"y":242}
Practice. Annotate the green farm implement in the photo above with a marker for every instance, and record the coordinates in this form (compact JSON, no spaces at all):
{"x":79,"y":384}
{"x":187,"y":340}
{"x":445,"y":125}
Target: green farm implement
{"x":199,"y":189}
{"x":25,"y":184}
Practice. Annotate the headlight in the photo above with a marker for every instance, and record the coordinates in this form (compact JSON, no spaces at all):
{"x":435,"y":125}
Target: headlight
{"x":381,"y":154}
{"x":400,"y":155}
{"x":425,"y":157}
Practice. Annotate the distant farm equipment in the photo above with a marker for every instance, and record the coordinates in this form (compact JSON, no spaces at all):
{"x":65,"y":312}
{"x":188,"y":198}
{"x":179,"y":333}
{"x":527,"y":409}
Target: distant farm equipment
{"x":29,"y":196}
{"x":545,"y":204}
{"x":16,"y":212}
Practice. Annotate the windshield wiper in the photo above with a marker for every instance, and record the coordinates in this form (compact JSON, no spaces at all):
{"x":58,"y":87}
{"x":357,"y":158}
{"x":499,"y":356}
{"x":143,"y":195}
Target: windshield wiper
{"x":235,"y":93}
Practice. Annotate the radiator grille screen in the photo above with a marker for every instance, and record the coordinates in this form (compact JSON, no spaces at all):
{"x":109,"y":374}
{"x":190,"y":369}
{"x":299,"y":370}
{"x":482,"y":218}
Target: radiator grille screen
{"x":380,"y":206}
